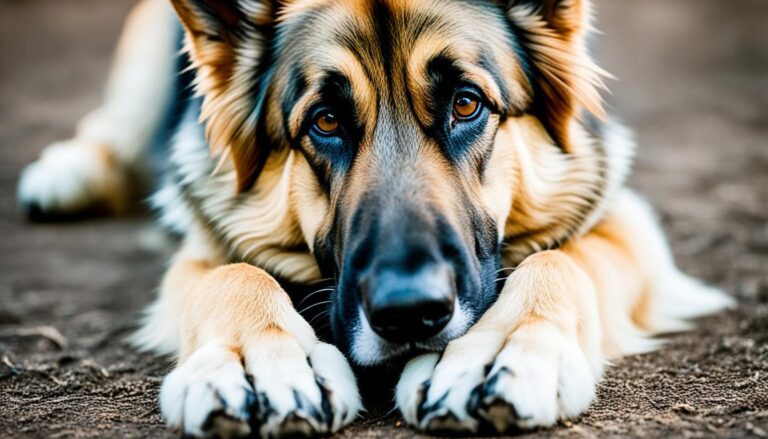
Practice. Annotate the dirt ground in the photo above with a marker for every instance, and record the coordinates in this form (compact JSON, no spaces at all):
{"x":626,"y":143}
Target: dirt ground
{"x":693,"y":83}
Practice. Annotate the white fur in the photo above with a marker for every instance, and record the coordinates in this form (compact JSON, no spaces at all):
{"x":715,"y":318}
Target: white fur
{"x":190,"y":161}
{"x":68,"y":177}
{"x":550,"y":378}
{"x":174,"y":214}
{"x":676,"y":296}
{"x":620,"y":147}
{"x":208,"y":394}
{"x":408,"y":393}
{"x":539,"y":376}
{"x":330,"y":364}
{"x":159,"y":331}
{"x":211,"y":380}
{"x":280,"y":369}
{"x":368,"y":348}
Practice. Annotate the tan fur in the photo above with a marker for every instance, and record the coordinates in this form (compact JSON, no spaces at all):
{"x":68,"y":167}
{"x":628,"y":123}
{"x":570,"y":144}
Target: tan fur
{"x":225,"y":78}
{"x":568,"y":77}
{"x":595,"y":288}
{"x":237,"y":305}
{"x":610,"y":244}
{"x":552,"y":192}
{"x":546,"y":287}
{"x":229,"y":305}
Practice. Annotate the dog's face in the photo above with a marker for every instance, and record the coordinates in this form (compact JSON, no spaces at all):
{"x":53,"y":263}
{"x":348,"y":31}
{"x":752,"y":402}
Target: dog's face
{"x":409,"y":119}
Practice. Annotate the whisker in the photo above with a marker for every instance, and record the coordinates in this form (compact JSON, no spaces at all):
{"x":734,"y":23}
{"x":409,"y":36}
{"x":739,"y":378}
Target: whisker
{"x":319,"y":316}
{"x":314,"y":305}
{"x":313,"y":293}
{"x":390,"y":412}
{"x":505,"y":269}
{"x":501,"y":279}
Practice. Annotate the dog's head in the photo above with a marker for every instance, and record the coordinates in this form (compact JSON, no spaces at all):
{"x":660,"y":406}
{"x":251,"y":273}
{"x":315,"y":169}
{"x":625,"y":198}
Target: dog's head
{"x":425,"y":134}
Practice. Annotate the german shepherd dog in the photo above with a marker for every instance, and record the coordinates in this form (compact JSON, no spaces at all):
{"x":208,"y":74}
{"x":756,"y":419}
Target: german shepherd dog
{"x":428,"y":183}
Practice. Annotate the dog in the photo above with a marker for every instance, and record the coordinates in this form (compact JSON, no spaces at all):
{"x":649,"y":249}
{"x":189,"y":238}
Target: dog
{"x":367,"y":182}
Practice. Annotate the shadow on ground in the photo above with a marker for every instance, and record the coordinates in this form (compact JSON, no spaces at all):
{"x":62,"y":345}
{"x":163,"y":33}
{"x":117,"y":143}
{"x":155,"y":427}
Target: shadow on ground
{"x":692,"y":83}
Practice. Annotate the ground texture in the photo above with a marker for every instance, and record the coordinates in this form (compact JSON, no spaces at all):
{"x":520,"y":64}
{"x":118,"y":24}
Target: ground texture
{"x":693,"y":83}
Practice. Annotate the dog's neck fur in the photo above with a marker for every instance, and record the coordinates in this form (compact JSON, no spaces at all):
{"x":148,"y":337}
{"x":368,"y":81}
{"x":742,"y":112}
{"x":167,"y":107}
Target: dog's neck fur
{"x":568,"y":196}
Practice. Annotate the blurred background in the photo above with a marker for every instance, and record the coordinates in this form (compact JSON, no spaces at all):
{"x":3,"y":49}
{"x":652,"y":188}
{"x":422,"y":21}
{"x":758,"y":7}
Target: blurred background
{"x":692,"y":83}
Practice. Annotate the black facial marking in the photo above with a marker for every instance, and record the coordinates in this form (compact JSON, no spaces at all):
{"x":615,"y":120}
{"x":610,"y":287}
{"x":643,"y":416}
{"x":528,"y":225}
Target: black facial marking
{"x":488,"y":64}
{"x":297,"y":85}
{"x":263,"y":138}
{"x":456,"y":137}
{"x":383,"y":25}
{"x":261,"y":90}
{"x":339,"y":147}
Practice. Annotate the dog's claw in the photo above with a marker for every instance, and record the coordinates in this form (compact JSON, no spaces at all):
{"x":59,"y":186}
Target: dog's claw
{"x":527,"y":385}
{"x":210,"y":394}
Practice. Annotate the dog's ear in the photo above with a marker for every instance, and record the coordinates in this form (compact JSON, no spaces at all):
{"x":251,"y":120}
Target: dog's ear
{"x":228,"y":42}
{"x":566,"y":17}
{"x":564,"y":76}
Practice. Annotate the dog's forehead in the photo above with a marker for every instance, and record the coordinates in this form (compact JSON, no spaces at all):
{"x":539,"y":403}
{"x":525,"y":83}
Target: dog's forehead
{"x":386,"y":46}
{"x":382,"y":32}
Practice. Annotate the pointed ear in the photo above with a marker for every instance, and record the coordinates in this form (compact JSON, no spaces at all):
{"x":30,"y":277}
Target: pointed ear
{"x":564,"y":77}
{"x":566,"y":17}
{"x":228,"y":43}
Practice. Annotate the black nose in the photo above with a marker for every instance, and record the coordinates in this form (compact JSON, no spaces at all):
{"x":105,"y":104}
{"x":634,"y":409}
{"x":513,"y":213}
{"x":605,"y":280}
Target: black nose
{"x":407,"y":307}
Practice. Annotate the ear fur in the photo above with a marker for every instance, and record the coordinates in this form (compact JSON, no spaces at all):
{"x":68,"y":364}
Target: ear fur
{"x":565,"y":78}
{"x":228,"y":43}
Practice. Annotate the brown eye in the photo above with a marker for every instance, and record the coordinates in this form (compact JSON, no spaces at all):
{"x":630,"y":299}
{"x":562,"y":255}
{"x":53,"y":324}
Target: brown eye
{"x":466,"y":106}
{"x":326,"y":122}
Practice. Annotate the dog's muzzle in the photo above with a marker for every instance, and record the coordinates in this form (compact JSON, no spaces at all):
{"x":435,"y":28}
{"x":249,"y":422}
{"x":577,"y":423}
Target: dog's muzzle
{"x":404,"y":272}
{"x":409,"y":306}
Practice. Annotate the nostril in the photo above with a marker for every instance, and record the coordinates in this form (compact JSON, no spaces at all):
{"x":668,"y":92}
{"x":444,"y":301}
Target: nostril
{"x":407,"y":320}
{"x":436,"y":313}
{"x":409,"y":306}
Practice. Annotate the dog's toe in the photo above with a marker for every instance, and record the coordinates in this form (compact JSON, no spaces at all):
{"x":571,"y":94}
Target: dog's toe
{"x":285,"y":410}
{"x":208,"y":395}
{"x":299,"y":395}
{"x":535,"y":377}
{"x":438,"y":398}
{"x":274,"y":390}
{"x":334,"y":376}
{"x":538,"y":378}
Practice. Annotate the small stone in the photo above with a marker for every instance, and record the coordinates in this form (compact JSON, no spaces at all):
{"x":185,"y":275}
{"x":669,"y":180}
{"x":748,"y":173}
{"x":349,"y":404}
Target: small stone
{"x":684,"y":408}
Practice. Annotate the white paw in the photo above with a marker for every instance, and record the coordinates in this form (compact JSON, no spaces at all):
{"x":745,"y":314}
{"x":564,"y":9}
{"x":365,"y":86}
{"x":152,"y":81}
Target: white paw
{"x":538,"y":377}
{"x":275,"y":394}
{"x":71,"y":177}
{"x":209,"y":392}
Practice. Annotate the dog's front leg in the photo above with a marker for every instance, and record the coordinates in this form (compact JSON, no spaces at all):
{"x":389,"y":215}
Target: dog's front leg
{"x":533,"y":358}
{"x":248,"y":362}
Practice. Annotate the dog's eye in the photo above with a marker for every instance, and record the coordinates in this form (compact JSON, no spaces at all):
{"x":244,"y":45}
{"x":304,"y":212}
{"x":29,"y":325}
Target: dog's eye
{"x":466,"y":106}
{"x":325,"y":122}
